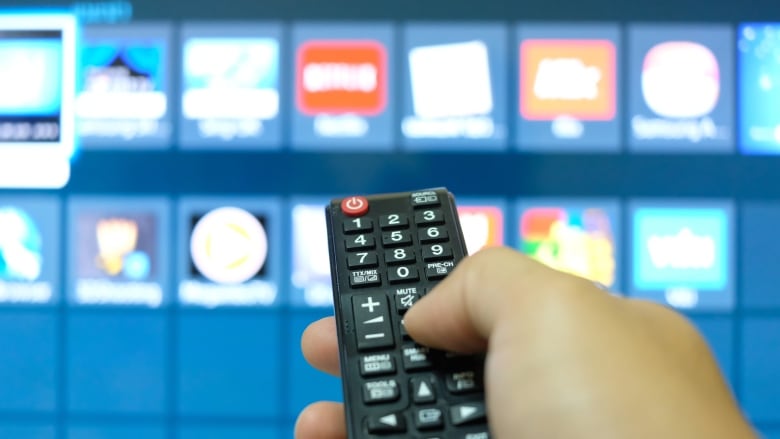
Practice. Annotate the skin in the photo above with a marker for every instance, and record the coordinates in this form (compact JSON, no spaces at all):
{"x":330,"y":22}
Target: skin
{"x":565,"y":358}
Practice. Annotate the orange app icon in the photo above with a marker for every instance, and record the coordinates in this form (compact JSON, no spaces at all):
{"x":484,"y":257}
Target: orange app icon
{"x":339,"y":77}
{"x":574,"y":78}
{"x":483,"y":226}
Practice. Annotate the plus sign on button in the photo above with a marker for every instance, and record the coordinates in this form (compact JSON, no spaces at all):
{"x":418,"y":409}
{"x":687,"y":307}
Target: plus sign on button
{"x":372,"y":321}
{"x":354,"y":206}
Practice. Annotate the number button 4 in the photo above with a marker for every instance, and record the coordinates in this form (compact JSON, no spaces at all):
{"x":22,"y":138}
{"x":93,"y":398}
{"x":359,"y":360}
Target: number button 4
{"x":360,"y":242}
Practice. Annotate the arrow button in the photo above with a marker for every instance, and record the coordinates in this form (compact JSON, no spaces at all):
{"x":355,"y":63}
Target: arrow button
{"x":468,"y":413}
{"x":384,"y":424}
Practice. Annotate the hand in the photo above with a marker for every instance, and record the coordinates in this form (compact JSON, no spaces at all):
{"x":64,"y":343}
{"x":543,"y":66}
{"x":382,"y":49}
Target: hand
{"x":565,"y":358}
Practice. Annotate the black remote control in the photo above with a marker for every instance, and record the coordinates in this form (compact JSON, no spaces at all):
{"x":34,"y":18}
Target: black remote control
{"x":386,"y":252}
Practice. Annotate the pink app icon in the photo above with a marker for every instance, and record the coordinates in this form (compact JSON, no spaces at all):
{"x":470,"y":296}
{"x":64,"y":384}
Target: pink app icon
{"x":680,"y":79}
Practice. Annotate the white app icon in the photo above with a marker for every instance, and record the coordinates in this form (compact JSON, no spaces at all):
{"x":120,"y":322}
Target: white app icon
{"x":229,"y":245}
{"x":312,"y":260}
{"x":451,"y":80}
{"x":680,"y":79}
{"x":476,"y":230}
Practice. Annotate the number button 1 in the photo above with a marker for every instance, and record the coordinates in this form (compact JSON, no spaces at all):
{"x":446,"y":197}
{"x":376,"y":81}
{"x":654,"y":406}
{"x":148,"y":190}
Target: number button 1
{"x":356,"y":225}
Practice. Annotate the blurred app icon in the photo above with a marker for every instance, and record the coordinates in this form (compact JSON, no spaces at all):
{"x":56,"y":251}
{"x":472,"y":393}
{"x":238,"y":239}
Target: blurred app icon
{"x":680,"y":88}
{"x":483,"y":226}
{"x":30,"y":72}
{"x":759,"y":60}
{"x":21,"y":246}
{"x":116,"y":247}
{"x":311,"y":259}
{"x":680,"y":79}
{"x":576,"y":241}
{"x":568,"y":79}
{"x":122,"y":81}
{"x":37,"y":88}
{"x":229,"y":245}
{"x":341,"y":76}
{"x":451,"y":80}
{"x":233,"y":78}
{"x":681,"y":251}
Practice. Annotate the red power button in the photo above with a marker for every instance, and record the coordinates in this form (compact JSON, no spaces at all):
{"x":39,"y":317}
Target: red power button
{"x":354,"y":206}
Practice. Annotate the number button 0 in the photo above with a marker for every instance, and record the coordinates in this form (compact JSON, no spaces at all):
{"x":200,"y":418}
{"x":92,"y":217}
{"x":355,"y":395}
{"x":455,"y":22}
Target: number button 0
{"x":433,"y":234}
{"x":358,"y":225}
{"x":399,"y":256}
{"x":393,"y":221}
{"x":436,"y":252}
{"x":360,"y":242}
{"x":403,"y":274}
{"x":396,"y":238}
{"x":429,"y":217}
{"x":362,"y":260}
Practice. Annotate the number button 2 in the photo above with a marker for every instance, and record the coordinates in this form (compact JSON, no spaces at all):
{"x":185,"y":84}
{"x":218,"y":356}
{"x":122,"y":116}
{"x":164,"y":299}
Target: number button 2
{"x":393,"y":221}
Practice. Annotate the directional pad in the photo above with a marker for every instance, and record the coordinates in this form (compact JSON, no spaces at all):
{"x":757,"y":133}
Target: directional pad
{"x":385,"y":424}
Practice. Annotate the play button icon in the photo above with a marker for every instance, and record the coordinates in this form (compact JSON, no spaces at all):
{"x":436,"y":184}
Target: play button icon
{"x":386,"y":424}
{"x":468,"y":413}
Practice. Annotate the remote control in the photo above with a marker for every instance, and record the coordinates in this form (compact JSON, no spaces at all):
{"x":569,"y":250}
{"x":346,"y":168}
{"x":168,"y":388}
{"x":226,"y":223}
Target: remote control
{"x":386,"y":252}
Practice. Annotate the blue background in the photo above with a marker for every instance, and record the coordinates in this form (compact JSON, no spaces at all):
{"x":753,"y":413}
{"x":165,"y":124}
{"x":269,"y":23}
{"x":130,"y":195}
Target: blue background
{"x":238,"y":373}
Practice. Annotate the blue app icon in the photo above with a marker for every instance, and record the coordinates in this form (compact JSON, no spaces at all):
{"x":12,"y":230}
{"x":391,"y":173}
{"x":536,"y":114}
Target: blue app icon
{"x":677,"y":248}
{"x":759,"y":62}
{"x":21,"y":246}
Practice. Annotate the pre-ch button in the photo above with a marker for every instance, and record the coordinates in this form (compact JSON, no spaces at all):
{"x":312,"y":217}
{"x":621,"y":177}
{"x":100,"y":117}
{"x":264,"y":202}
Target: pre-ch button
{"x":354,"y":206}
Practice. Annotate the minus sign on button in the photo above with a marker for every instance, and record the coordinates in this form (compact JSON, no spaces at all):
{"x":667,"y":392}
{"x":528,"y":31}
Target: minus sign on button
{"x":373,"y":336}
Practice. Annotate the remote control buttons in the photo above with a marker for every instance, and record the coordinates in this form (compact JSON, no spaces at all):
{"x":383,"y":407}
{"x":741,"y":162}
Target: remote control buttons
{"x":469,"y":413}
{"x":354,"y":206}
{"x":360,"y":242}
{"x":439,"y":270}
{"x":437,"y":252}
{"x":364,"y":278}
{"x":428,"y":217}
{"x":358,"y":225}
{"x":386,"y":424}
{"x":396,"y":238}
{"x":372,"y":321}
{"x":362,"y":260}
{"x":423,"y":391}
{"x":466,"y":381}
{"x":433,"y":234}
{"x":425,"y":198}
{"x":393,"y":221}
{"x":377,"y":364}
{"x":417,"y":358}
{"x":405,"y":298}
{"x":429,"y":419}
{"x":403,"y":274}
{"x":399,"y":256}
{"x":375,"y":392}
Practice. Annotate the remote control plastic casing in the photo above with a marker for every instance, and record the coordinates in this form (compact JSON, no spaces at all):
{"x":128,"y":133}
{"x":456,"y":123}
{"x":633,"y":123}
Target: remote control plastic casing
{"x":429,"y":384}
